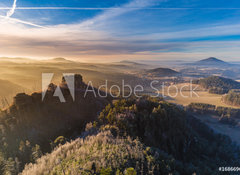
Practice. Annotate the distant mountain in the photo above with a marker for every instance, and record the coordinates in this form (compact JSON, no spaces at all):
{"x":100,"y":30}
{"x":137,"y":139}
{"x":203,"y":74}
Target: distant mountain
{"x":212,"y":61}
{"x":127,"y":65}
{"x":17,"y":59}
{"x":20,"y":60}
{"x":162,"y":72}
{"x":60,"y":59}
{"x":131,"y":63}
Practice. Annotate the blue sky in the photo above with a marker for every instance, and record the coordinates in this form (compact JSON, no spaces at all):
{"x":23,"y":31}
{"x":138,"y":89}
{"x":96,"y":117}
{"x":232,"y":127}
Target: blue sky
{"x":114,"y":30}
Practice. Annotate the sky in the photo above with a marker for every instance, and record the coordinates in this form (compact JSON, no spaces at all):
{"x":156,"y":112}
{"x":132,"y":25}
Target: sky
{"x":110,"y":30}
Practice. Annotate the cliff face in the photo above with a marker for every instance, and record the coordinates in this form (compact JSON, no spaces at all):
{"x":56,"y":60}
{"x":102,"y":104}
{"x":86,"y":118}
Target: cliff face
{"x":39,"y":120}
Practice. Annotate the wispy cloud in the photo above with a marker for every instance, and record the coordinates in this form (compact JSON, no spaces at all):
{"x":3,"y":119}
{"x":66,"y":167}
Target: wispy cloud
{"x":107,"y":12}
{"x":12,"y":10}
{"x":87,"y":38}
{"x":114,"y":12}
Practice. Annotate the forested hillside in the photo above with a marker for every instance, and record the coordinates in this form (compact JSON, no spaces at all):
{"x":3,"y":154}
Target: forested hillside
{"x":162,"y":72}
{"x":145,"y":136}
{"x":232,"y":98}
{"x":218,"y":85}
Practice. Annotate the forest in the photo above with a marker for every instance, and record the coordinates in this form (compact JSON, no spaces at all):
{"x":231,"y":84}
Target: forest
{"x":141,"y":136}
{"x":232,"y":98}
{"x":218,"y":85}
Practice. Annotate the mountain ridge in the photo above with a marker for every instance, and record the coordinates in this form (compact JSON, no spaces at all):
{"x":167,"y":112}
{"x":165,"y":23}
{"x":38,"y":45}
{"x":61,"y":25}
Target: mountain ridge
{"x":211,"y":61}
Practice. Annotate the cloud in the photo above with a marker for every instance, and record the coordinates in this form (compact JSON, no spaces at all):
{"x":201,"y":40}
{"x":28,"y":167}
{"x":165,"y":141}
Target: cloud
{"x":86,"y":39}
{"x":117,"y":11}
{"x":107,"y":14}
{"x":77,"y":28}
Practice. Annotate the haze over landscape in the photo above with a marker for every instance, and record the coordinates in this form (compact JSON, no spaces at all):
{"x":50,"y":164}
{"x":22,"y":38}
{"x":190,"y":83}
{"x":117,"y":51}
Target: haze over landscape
{"x":119,"y":87}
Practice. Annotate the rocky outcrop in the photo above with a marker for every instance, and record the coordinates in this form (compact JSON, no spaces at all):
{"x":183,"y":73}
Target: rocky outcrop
{"x":48,"y":117}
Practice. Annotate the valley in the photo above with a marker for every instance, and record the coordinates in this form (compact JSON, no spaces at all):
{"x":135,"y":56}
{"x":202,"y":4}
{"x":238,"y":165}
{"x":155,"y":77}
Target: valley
{"x":213,"y":122}
{"x":189,"y":99}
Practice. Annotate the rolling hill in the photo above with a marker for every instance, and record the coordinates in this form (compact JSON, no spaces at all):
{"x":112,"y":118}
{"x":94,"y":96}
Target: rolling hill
{"x":218,"y":85}
{"x":60,"y":60}
{"x":162,"y":72}
{"x":132,"y":63}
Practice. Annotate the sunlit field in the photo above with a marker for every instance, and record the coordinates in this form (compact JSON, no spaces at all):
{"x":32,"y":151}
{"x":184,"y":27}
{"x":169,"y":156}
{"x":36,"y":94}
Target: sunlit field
{"x":201,"y":96}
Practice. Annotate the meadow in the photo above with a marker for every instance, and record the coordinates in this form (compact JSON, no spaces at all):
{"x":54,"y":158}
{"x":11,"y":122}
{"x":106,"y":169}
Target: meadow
{"x":203,"y":96}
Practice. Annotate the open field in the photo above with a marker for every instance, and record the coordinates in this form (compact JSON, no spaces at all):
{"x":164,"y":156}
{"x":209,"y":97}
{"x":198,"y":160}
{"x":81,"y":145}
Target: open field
{"x":185,"y":97}
{"x":213,"y":122}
